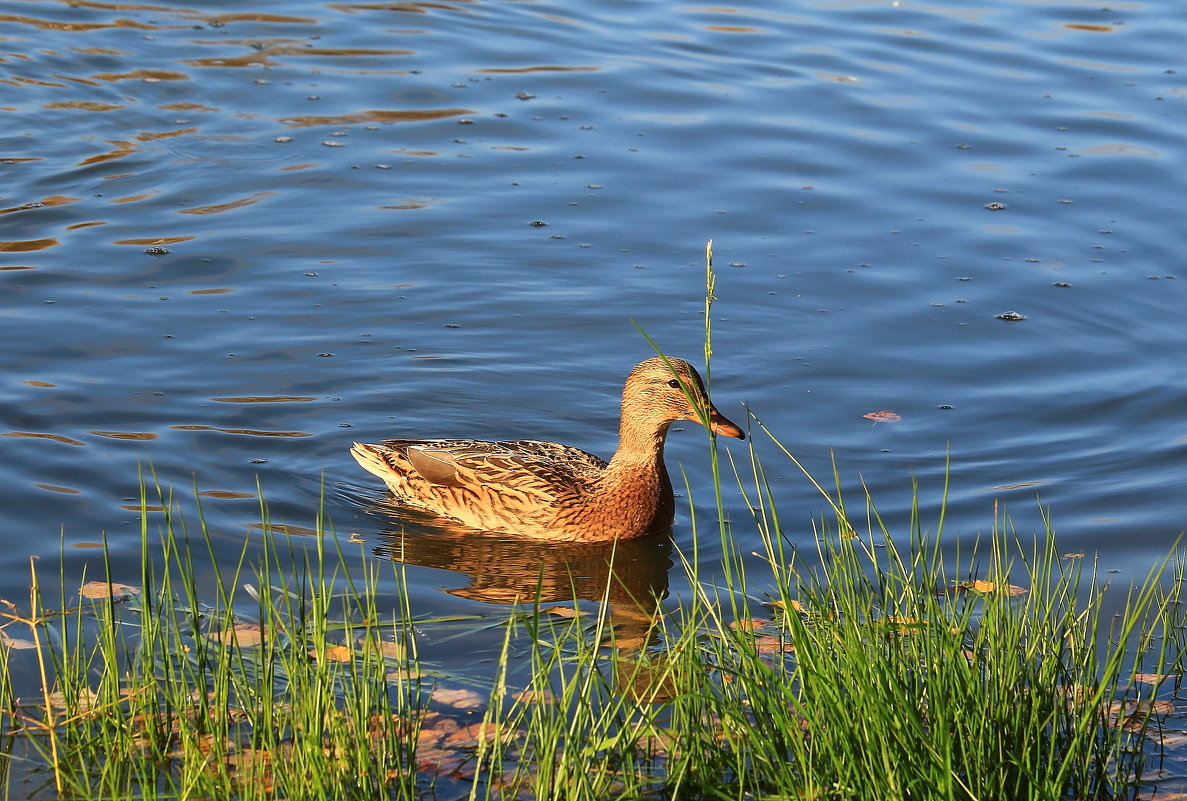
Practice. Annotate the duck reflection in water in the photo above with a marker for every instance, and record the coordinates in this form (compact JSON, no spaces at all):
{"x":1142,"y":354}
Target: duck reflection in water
{"x":631,"y":576}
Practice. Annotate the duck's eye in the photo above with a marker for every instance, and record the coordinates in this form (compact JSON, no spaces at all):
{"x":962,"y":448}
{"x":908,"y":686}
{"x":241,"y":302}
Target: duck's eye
{"x":674,"y":384}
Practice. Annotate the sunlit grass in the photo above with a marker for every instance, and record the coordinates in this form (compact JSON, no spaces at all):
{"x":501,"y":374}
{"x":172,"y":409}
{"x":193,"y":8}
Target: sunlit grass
{"x":875,"y":666}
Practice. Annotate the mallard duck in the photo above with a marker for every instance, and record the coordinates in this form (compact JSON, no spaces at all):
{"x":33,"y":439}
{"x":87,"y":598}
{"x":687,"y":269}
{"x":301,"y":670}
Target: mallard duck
{"x":548,"y":491}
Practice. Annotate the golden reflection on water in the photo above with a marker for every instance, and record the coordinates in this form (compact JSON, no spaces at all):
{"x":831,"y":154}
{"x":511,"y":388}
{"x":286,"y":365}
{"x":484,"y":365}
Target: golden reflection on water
{"x":122,"y":149}
{"x":631,"y":577}
{"x":52,"y":200}
{"x":219,"y":208}
{"x":55,"y":488}
{"x":142,"y":75}
{"x":151,"y":136}
{"x":376,"y":115}
{"x":409,"y":7}
{"x":253,"y":59}
{"x":154,"y":240}
{"x":267,"y":399}
{"x":223,"y":19}
{"x":137,"y":198}
{"x":250,"y":432}
{"x":538,"y":68}
{"x":189,"y":107}
{"x":54,"y":437}
{"x":58,"y":25}
{"x":133,"y":435}
{"x":26,"y":245}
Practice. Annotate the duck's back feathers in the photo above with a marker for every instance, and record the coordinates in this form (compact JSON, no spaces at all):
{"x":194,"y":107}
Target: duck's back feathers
{"x":516,"y":485}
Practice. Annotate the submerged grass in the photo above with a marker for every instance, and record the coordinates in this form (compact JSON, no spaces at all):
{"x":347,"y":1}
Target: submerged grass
{"x":885,"y":664}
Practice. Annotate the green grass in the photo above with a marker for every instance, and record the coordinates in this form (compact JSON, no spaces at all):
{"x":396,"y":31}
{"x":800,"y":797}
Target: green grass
{"x":871,"y":668}
{"x":892,"y":661}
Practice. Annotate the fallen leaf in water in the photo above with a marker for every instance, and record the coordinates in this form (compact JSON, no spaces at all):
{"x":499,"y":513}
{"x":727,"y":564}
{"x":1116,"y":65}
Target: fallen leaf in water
{"x":1153,"y":678}
{"x":767,"y":644}
{"x":563,"y":611}
{"x":476,"y":733}
{"x":535,"y":697}
{"x":748,"y":624}
{"x":898,"y":624}
{"x":458,"y":698}
{"x":16,"y":643}
{"x":101,"y":589}
{"x":84,"y":701}
{"x":986,"y":587}
{"x":243,"y":634}
{"x":1133,"y":715}
{"x":385,"y":648}
{"x":883,"y":417}
{"x":335,"y":653}
{"x":406,"y":674}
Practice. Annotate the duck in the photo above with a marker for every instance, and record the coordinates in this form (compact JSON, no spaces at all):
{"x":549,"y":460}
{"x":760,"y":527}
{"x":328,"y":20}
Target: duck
{"x":548,"y":491}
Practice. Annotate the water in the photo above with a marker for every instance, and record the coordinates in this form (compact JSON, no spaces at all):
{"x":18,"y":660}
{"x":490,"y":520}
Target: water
{"x":238,"y":236}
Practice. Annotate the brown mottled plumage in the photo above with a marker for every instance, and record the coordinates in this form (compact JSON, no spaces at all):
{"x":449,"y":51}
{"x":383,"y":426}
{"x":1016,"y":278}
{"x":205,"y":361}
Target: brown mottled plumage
{"x":550,"y":491}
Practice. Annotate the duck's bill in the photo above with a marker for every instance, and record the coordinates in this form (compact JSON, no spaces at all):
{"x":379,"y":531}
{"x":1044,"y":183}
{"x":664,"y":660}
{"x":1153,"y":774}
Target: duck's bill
{"x":719,"y":425}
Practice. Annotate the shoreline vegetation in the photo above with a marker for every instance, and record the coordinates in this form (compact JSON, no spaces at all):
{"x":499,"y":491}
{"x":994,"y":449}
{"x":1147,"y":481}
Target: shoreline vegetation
{"x":890,"y":662}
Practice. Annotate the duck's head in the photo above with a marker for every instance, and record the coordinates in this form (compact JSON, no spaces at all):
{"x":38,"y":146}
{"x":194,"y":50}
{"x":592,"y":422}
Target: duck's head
{"x":667,"y":389}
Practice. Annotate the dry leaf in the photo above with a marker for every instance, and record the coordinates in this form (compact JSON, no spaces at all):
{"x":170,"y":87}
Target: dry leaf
{"x":772,"y":645}
{"x":748,"y":624}
{"x":102,"y":589}
{"x":883,"y":417}
{"x":1132,"y":714}
{"x":403,"y":675}
{"x":477,"y":733}
{"x":535,"y":697}
{"x":385,"y":648}
{"x":563,"y":611}
{"x":84,"y":702}
{"x":1153,"y":678}
{"x":1072,"y":556}
{"x":16,"y":643}
{"x":242,"y":634}
{"x":986,"y":587}
{"x":903,"y":625}
{"x":458,"y":699}
{"x":335,"y":653}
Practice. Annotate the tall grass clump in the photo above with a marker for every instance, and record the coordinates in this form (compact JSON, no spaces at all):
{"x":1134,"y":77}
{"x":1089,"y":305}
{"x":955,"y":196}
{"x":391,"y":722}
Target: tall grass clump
{"x":283,"y":681}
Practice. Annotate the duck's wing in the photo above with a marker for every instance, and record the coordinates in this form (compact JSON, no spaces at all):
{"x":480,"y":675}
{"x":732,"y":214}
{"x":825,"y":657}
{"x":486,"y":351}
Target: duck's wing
{"x":545,"y":470}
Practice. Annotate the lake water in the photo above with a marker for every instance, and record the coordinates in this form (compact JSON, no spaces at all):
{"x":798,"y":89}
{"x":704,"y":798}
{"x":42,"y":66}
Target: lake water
{"x":238,"y":236}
